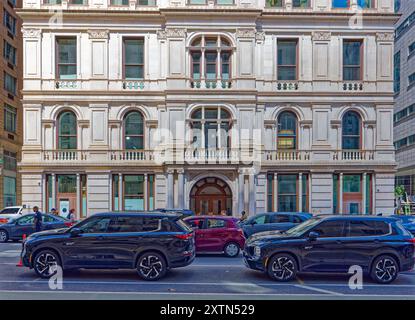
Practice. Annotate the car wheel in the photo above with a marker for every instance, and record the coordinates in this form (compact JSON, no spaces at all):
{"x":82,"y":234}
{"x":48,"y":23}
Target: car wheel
{"x":282,"y":267}
{"x":384,"y":269}
{"x":4,"y":236}
{"x":231,"y":249}
{"x":45,"y":263}
{"x":151,"y":266}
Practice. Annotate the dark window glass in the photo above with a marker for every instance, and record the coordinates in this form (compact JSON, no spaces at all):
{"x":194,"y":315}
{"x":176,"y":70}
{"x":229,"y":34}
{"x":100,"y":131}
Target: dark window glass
{"x":287,"y":193}
{"x":280,"y":218}
{"x":330,"y":229}
{"x":351,"y":183}
{"x":134,"y":131}
{"x":352,"y":60}
{"x":134,"y":224}
{"x":9,"y":22}
{"x":66,"y":183}
{"x":27,"y":219}
{"x":274,"y":3}
{"x":96,"y":225}
{"x":66,"y":58}
{"x":9,"y":191}
{"x":10,"y":118}
{"x":301,"y":3}
{"x":287,"y":131}
{"x":67,"y":131}
{"x":397,"y":72}
{"x":133,"y":59}
{"x":361,"y":228}
{"x":351,"y":131}
{"x":340,"y":3}
{"x":215,"y":223}
{"x":9,"y":52}
{"x":287,"y":59}
{"x":119,"y":2}
{"x":10,"y":83}
{"x":261,"y":219}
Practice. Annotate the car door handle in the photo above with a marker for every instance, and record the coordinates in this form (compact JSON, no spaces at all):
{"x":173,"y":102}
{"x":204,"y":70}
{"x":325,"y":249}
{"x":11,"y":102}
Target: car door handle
{"x":69,"y":243}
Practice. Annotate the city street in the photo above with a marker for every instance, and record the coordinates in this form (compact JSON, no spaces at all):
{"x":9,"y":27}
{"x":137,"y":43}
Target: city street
{"x":209,"y":277}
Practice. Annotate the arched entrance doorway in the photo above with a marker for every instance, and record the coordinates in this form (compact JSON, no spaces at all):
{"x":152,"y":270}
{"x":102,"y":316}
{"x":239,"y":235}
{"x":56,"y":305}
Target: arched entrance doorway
{"x":211,"y":196}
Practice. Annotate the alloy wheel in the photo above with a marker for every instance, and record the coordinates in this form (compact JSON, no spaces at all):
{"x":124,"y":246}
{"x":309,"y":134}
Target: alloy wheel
{"x":151,"y":267}
{"x":386,"y":270}
{"x":231,"y":250}
{"x":3,"y":236}
{"x":283,"y":268}
{"x":45,"y":264}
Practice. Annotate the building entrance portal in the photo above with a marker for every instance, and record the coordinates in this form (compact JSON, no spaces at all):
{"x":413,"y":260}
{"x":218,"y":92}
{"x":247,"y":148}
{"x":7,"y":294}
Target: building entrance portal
{"x":211,"y":196}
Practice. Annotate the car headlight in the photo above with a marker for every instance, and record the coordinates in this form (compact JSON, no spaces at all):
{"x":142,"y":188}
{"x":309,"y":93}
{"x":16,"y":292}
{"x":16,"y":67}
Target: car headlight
{"x":257,"y":251}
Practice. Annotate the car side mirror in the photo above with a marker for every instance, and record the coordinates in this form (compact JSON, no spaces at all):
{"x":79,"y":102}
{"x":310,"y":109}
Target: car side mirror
{"x":313,"y":236}
{"x":75,"y":232}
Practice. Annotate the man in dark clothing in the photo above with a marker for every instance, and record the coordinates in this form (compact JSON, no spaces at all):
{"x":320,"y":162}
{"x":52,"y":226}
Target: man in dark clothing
{"x":38,"y":219}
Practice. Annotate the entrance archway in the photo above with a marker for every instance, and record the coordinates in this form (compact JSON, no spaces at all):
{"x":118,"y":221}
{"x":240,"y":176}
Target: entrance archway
{"x":211,"y":196}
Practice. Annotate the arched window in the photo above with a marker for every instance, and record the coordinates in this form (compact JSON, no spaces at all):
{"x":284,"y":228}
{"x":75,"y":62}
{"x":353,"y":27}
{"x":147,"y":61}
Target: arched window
{"x":351,"y":128}
{"x":67,"y":137}
{"x":134,"y":131}
{"x":211,"y":58}
{"x":287,"y":131}
{"x":211,"y":128}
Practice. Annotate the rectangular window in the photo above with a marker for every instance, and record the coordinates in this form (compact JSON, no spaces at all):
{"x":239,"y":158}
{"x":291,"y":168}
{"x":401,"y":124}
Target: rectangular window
{"x":304,"y":188}
{"x":274,"y":3}
{"x":352,"y":194}
{"x":352,"y":60}
{"x":49,"y":193}
{"x":150,"y":3}
{"x":340,"y":4}
{"x":196,"y":65}
{"x":9,"y":191}
{"x":10,"y":83}
{"x":52,"y":1}
{"x":133,"y":192}
{"x":66,"y":183}
{"x":397,"y":72}
{"x":10,"y":118}
{"x":411,"y":49}
{"x":150,"y":192}
{"x":9,"y":22}
{"x":335,"y":193}
{"x":287,"y":59}
{"x":115,"y":192}
{"x":79,"y":2}
{"x":411,"y":80}
{"x":211,"y":58}
{"x":225,"y":65}
{"x":351,"y":183}
{"x":301,"y":3}
{"x":66,"y":58}
{"x":270,"y":191}
{"x":287,"y":193}
{"x":199,"y":2}
{"x":119,"y":2}
{"x":9,"y":52}
{"x":10,"y":160}
{"x":133,"y":59}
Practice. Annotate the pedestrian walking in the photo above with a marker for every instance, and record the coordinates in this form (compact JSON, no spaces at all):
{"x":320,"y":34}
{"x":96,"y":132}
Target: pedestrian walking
{"x":38,"y":219}
{"x":72,"y":215}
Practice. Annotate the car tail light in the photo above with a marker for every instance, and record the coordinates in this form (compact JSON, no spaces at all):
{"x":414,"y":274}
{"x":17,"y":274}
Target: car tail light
{"x":68,"y":224}
{"x":185,"y":236}
{"x":3,"y":220}
{"x":412,"y":241}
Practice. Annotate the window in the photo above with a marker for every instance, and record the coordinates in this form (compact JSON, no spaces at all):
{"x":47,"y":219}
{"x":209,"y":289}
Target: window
{"x":134,"y":224}
{"x":411,"y":49}
{"x":10,"y":118}
{"x":10,"y":160}
{"x":95,"y":225}
{"x":9,"y":22}
{"x":133,"y":192}
{"x":66,"y":183}
{"x":287,"y":193}
{"x":10,"y":83}
{"x":352,"y":60}
{"x":330,"y":229}
{"x":411,"y":80}
{"x":365,"y":228}
{"x":67,"y":131}
{"x":397,"y":72}
{"x":147,"y":2}
{"x":287,"y":131}
{"x":274,"y":3}
{"x":9,"y":191}
{"x":133,"y":59}
{"x":280,"y":218}
{"x":211,"y":58}
{"x":66,"y":58}
{"x":301,"y":3}
{"x":261,"y":219}
{"x":210,"y":128}
{"x":53,"y":1}
{"x":405,"y":26}
{"x":215,"y":223}
{"x":81,"y":2}
{"x":351,"y":128}
{"x":28,"y":219}
{"x":397,"y":5}
{"x":119,"y":2}
{"x":351,"y":183}
{"x":408,"y":111}
{"x":9,"y":52}
{"x":134,"y":131}
{"x":202,"y":2}
{"x":287,"y":59}
{"x":340,"y":3}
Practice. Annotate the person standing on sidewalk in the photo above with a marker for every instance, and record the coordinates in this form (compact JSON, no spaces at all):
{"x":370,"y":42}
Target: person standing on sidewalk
{"x":38,"y":219}
{"x":72,"y":216}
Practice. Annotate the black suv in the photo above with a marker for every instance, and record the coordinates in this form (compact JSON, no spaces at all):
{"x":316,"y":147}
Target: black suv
{"x":151,"y":242}
{"x":381,"y":246}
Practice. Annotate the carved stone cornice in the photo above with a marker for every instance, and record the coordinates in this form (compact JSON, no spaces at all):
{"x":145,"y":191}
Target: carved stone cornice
{"x":385,"y":36}
{"x":83,"y":123}
{"x":335,"y":123}
{"x":152,"y":123}
{"x":321,"y":36}
{"x":98,"y":34}
{"x":260,"y":36}
{"x":246,"y":33}
{"x":269,"y":123}
{"x":31,"y":33}
{"x":161,"y":35}
{"x":175,"y":33}
{"x":306,"y":123}
{"x":48,"y":123}
{"x":114,"y":123}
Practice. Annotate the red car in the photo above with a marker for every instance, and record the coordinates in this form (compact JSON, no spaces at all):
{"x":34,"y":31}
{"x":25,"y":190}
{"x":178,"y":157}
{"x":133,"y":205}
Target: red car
{"x":217,"y":234}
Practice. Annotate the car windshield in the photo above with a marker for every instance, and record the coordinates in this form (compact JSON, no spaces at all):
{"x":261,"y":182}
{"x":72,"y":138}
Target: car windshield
{"x":9,"y":211}
{"x":303,"y":227}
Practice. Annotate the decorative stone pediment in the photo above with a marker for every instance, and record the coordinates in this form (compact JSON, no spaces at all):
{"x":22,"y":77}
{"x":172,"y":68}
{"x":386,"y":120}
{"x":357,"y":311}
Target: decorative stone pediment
{"x":31,"y":33}
{"x":385,"y":36}
{"x":98,"y":34}
{"x":321,"y":36}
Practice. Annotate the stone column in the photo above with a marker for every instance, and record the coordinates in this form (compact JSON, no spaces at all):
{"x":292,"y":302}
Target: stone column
{"x":252,"y":204}
{"x":341,"y":193}
{"x":275,"y":193}
{"x":145,"y":191}
{"x":120,"y":192}
{"x":170,"y":189}
{"x":78,"y":195}
{"x":300,"y":192}
{"x":180,"y":181}
{"x":44,"y":194}
{"x":241,"y":193}
{"x":53,"y":191}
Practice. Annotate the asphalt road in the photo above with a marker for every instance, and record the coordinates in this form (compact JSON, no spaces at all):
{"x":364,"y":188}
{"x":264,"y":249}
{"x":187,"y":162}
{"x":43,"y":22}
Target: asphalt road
{"x":209,"y":277}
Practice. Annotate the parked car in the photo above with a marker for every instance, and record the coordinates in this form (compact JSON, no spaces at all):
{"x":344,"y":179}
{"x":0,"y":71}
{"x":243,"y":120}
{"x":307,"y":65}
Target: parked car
{"x":9,"y":213}
{"x":380,"y":245}
{"x":215,"y":234}
{"x":152,"y":243}
{"x":183,"y":212}
{"x":14,"y":229}
{"x":407,"y":221}
{"x":272,"y":221}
